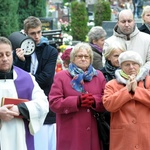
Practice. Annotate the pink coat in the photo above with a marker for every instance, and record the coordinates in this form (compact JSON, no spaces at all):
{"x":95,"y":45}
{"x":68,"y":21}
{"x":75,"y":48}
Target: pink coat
{"x":130,"y":116}
{"x":76,"y":127}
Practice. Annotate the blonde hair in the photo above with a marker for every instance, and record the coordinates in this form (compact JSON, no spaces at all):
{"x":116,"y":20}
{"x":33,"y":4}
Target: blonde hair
{"x":146,"y":9}
{"x":80,"y":46}
{"x":112,"y":47}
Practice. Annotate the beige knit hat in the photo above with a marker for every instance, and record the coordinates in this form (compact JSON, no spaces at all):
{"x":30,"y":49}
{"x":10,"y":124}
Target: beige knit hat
{"x":130,"y":56}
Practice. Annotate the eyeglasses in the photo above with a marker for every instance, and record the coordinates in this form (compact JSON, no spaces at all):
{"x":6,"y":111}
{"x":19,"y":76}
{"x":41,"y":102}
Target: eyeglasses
{"x":81,"y":56}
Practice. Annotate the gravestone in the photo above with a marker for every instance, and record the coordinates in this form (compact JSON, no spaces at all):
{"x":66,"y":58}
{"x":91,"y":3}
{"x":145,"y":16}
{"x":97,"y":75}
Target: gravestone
{"x":47,"y":23}
{"x":109,"y":26}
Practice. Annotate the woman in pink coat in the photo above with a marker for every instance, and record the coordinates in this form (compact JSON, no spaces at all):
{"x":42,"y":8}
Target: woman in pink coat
{"x":128,"y":99}
{"x":74,"y":93}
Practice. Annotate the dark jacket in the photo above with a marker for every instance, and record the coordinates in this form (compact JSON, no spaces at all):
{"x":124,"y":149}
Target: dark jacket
{"x":97,"y":58}
{"x":108,"y":71}
{"x":144,"y":29}
{"x":47,"y":57}
{"x":106,"y":74}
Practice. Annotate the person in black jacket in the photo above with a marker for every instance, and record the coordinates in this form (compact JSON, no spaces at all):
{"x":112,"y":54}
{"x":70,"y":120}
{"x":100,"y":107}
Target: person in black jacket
{"x":111,"y":55}
{"x":146,"y":19}
{"x":42,"y":65}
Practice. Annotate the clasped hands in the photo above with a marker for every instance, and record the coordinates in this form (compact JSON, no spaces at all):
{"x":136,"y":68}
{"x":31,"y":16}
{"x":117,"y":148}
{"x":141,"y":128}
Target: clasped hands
{"x":86,"y":100}
{"x":131,"y":83}
{"x":8,"y":112}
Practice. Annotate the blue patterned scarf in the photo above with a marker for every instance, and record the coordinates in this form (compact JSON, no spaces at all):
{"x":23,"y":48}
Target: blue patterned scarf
{"x":79,"y":76}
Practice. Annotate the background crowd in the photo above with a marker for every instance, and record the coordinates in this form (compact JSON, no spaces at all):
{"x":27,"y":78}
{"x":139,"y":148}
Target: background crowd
{"x":109,"y":76}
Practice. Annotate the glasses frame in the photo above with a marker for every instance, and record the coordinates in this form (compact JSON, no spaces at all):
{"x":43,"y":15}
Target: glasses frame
{"x":81,"y":56}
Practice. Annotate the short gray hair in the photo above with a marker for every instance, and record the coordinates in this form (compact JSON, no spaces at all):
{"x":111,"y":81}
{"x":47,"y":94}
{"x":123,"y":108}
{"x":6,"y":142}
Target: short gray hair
{"x":96,"y":33}
{"x":4,"y":40}
{"x":80,"y":46}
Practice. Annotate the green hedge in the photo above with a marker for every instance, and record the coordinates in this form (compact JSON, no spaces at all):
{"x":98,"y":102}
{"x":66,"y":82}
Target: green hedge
{"x":79,"y":19}
{"x":27,"y":8}
{"x":102,"y":12}
{"x":13,"y":13}
{"x":8,"y":17}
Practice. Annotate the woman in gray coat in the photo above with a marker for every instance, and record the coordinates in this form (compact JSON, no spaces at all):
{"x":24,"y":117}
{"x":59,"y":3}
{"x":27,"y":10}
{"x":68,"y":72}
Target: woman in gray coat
{"x":96,"y":38}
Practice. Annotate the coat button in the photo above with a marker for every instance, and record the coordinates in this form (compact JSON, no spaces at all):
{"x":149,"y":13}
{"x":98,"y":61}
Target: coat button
{"x":88,"y":128}
{"x":136,"y":146}
{"x":134,"y":121}
{"x":88,"y":110}
{"x":66,"y":111}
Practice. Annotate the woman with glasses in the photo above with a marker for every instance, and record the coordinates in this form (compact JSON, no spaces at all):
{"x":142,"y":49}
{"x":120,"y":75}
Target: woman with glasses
{"x":74,"y":94}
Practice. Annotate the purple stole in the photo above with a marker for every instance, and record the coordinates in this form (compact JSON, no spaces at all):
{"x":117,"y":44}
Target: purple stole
{"x":24,"y":86}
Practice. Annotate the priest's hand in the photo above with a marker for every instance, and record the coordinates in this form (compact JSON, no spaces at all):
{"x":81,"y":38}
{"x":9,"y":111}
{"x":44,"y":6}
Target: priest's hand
{"x":6,"y":113}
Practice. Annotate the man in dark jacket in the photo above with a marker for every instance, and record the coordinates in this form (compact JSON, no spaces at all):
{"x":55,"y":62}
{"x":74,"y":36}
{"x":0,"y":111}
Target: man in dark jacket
{"x":41,"y":64}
